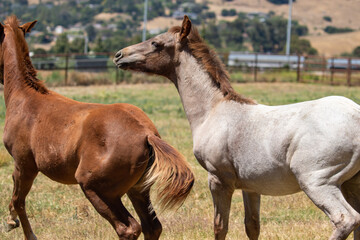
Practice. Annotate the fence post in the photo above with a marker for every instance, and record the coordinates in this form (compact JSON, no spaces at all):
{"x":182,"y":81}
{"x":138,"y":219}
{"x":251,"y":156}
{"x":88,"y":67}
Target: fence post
{"x":66,"y":68}
{"x":117,"y":75}
{"x":298,"y":69}
{"x":332,"y":69}
{"x":255,"y":67}
{"x":348,"y":72}
{"x":323,"y":67}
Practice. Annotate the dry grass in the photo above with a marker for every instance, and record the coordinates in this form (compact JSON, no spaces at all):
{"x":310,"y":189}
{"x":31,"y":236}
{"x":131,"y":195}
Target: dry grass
{"x":335,"y":44}
{"x":162,"y":23}
{"x":308,"y":12}
{"x":111,"y":16}
{"x":59,"y":211}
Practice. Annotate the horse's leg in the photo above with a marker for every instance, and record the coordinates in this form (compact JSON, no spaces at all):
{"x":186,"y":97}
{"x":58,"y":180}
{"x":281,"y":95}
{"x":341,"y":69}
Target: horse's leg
{"x":150,"y":224}
{"x":221,"y":194}
{"x":252,"y":212}
{"x":112,"y":209}
{"x":351,"y":192}
{"x":328,"y":197}
{"x":12,"y":221}
{"x":23,"y":181}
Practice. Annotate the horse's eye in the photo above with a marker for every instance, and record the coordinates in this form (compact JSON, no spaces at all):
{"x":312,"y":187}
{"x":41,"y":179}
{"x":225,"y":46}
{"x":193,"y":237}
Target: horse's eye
{"x":155,"y":44}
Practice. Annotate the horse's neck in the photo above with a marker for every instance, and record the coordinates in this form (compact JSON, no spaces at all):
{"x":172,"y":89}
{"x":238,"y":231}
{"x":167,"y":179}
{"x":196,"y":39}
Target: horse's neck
{"x":13,"y":74}
{"x":197,"y":91}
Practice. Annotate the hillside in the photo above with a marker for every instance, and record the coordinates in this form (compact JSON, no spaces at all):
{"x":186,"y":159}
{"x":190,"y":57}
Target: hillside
{"x":307,"y":12}
{"x":311,"y":13}
{"x":335,"y":44}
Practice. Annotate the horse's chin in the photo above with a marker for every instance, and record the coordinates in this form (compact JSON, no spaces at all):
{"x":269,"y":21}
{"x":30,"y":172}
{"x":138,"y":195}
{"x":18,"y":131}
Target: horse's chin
{"x":122,"y":65}
{"x":131,"y":66}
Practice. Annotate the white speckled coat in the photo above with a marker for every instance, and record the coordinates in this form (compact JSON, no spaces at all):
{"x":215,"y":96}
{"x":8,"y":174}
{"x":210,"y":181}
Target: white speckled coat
{"x":311,"y":146}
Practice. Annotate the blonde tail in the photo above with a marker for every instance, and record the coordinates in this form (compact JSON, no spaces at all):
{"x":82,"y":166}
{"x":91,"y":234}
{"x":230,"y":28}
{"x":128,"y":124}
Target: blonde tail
{"x":170,"y":172}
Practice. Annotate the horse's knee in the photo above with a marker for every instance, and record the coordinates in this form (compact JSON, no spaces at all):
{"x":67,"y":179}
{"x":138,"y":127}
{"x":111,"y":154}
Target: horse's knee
{"x":252,"y":227}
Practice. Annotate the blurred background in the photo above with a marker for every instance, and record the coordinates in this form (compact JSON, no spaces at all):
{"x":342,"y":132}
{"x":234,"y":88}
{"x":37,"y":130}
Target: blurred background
{"x":77,"y":36}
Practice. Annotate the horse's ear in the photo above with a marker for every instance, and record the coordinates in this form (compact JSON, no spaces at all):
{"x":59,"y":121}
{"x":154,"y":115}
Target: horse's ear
{"x":28,"y":26}
{"x":185,"y":28}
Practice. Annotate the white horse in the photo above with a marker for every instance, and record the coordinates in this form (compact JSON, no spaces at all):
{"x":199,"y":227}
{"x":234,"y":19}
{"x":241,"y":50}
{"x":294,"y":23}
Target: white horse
{"x":311,"y":146}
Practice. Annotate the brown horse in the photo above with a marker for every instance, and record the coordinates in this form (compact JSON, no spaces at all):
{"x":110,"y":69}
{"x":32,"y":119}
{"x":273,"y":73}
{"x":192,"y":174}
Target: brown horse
{"x":109,"y":150}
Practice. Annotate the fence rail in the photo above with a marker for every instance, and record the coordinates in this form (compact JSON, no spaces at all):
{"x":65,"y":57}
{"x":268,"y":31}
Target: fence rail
{"x":98,"y":62}
{"x":334,"y":70}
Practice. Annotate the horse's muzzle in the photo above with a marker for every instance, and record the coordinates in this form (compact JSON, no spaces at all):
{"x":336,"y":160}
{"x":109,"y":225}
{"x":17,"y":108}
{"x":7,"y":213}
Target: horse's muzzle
{"x":119,"y":54}
{"x":117,"y":59}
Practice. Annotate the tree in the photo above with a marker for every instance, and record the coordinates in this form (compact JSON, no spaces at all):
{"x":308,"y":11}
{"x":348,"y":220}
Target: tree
{"x":61,"y":45}
{"x":232,"y":12}
{"x":99,"y":45}
{"x":232,"y":33}
{"x":300,"y":30}
{"x":21,"y":2}
{"x":301,"y":46}
{"x":77,"y":46}
{"x":210,"y":15}
{"x":356,"y":52}
{"x":269,"y":35}
{"x":91,"y":32}
{"x":260,"y":37}
{"x":224,"y":13}
{"x":211,"y":34}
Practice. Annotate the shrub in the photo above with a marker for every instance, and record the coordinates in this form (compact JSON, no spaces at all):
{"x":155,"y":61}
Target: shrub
{"x":332,"y":30}
{"x":280,"y":1}
{"x":232,"y":12}
{"x":327,"y":18}
{"x":210,"y":15}
{"x":224,"y":13}
{"x":356,"y":52}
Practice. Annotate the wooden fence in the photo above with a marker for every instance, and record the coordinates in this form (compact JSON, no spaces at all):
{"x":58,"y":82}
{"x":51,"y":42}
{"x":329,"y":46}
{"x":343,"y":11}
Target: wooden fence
{"x":334,"y":70}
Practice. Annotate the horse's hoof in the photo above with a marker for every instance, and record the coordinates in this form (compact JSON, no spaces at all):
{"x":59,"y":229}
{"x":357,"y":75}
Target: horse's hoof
{"x":11,"y":224}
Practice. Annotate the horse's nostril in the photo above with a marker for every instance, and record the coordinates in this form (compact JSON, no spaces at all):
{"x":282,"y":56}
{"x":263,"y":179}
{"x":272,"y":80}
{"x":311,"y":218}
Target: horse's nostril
{"x":119,"y":54}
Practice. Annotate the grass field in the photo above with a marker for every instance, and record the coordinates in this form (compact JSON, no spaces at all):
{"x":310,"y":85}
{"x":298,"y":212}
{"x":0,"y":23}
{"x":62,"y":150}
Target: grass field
{"x":62,"y":212}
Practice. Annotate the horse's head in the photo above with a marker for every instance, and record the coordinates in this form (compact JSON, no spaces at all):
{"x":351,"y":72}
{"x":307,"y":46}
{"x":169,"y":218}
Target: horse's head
{"x":11,"y":28}
{"x":158,"y":55}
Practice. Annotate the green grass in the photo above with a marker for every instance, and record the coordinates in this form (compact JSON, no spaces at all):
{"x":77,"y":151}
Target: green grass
{"x":59,"y":211}
{"x":263,"y":76}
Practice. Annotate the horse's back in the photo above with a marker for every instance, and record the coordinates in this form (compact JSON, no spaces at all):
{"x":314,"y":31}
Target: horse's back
{"x":260,"y":141}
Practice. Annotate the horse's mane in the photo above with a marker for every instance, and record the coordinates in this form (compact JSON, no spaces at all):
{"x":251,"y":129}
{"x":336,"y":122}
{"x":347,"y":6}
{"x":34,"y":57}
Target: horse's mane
{"x":212,"y":64}
{"x":22,"y":52}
